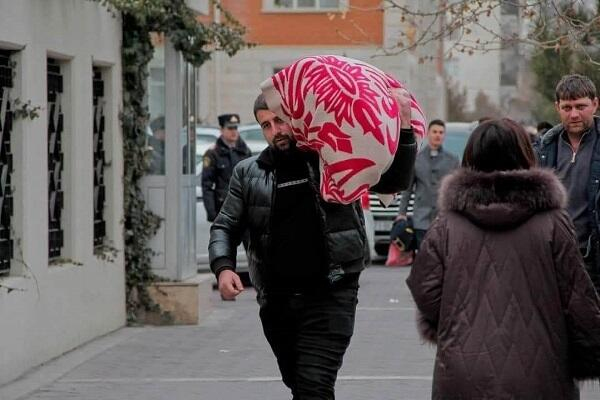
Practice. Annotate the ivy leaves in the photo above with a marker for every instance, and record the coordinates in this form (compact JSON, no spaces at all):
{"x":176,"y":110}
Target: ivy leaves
{"x":196,"y":42}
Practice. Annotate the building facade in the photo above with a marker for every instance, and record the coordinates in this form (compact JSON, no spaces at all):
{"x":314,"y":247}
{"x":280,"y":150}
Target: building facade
{"x":503,"y":75}
{"x":61,"y":174}
{"x":170,"y":186}
{"x":286,"y":30}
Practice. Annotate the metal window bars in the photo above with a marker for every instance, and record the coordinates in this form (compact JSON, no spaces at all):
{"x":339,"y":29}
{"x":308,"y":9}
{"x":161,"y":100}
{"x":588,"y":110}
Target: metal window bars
{"x":99,"y":103}
{"x":55,"y":159}
{"x":6,"y":166}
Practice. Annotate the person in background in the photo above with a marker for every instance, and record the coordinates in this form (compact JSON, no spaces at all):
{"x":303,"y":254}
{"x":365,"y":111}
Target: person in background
{"x":432,"y":164}
{"x":218,"y":163}
{"x":499,"y":284}
{"x":572,"y":149}
{"x":157,"y":144}
{"x":543,"y":127}
{"x":305,"y":254}
{"x":536,"y":134}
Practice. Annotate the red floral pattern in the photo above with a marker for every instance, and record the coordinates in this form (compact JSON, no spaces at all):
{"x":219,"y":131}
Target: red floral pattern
{"x":342,"y":109}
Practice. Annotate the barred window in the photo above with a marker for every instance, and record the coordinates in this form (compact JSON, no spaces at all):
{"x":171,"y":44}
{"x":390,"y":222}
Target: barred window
{"x":55,"y":159}
{"x":99,"y":103}
{"x":6,"y":166}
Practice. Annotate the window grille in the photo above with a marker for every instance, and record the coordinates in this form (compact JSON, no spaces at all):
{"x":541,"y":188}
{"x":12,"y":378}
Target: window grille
{"x":55,"y":159}
{"x":99,"y":128}
{"x":6,"y":166}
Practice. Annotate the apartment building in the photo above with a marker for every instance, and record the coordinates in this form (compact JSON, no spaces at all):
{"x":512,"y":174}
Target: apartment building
{"x":286,"y":30}
{"x":61,"y":173}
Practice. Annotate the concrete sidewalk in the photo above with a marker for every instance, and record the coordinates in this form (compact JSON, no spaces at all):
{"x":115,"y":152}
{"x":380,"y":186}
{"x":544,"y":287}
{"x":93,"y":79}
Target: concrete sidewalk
{"x":226,"y":356}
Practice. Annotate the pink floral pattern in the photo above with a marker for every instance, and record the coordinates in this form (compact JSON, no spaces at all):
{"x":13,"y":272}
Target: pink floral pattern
{"x":342,"y":109}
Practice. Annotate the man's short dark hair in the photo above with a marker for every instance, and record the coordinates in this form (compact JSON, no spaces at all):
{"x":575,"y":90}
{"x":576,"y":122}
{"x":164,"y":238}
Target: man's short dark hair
{"x":436,"y":122}
{"x":575,"y":86}
{"x":158,"y":123}
{"x":544,"y":126}
{"x":260,"y":104}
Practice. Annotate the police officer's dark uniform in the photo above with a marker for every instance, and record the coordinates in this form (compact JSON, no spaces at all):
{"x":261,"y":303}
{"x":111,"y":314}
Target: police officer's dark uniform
{"x":217,"y":167}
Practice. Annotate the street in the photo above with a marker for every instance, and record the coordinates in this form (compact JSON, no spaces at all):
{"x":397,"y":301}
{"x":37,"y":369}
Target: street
{"x":226,"y":356}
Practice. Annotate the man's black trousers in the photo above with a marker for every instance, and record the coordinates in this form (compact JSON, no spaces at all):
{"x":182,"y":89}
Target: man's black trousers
{"x":309,"y":334}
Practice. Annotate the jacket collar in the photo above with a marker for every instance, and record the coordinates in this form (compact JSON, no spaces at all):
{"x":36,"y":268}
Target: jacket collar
{"x":554,"y":133}
{"x":501,"y":199}
{"x":267,"y":159}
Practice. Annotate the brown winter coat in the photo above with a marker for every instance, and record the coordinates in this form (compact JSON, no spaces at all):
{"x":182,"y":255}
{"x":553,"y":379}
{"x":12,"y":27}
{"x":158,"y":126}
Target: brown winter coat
{"x":501,"y":289}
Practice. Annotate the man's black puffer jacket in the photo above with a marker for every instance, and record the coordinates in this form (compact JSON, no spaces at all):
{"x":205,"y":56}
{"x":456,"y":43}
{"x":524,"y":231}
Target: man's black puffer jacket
{"x":249,"y":204}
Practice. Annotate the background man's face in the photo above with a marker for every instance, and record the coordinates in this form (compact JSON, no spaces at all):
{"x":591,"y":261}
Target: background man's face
{"x":277,"y":132}
{"x":435,"y":136}
{"x":577,"y":115}
{"x":159,"y":134}
{"x":230,"y":134}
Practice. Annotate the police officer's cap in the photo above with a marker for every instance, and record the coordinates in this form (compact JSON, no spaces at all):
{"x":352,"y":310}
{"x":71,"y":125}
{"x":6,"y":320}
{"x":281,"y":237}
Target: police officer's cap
{"x":229,"y":120}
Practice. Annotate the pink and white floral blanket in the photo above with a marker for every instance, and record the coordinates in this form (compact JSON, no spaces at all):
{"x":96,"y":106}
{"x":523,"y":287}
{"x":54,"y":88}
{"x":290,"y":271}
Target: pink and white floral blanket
{"x":342,"y":109}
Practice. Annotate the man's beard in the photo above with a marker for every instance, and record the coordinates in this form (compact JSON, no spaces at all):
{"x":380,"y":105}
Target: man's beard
{"x":581,"y":127}
{"x":286,"y":147}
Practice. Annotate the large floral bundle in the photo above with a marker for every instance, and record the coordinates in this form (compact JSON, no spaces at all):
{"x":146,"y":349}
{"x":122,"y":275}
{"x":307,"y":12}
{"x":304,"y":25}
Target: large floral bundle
{"x":343,"y":109}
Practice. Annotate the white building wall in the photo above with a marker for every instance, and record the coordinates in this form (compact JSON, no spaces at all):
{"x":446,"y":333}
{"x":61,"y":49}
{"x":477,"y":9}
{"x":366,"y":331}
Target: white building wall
{"x":57,"y":308}
{"x":230,"y":85}
{"x":487,"y":72}
{"x":479,"y":72}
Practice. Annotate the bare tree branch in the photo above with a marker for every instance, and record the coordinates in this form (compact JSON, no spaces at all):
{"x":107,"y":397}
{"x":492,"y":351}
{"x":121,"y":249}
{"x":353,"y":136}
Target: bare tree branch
{"x":542,"y":24}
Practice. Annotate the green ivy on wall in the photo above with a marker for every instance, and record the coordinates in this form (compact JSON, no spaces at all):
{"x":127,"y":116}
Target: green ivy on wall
{"x":196,"y":42}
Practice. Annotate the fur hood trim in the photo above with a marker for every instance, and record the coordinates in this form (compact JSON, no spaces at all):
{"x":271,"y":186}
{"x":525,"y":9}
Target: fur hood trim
{"x":501,"y":198}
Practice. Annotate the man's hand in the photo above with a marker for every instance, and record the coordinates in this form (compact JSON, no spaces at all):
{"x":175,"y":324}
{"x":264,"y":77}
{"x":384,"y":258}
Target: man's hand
{"x":230,"y":284}
{"x":402,"y":97}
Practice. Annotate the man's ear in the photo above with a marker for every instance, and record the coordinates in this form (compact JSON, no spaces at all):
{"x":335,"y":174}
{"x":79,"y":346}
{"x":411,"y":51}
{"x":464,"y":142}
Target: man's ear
{"x":556,"y":106}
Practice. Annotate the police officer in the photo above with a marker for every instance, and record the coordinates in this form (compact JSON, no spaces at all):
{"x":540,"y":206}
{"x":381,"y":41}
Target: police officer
{"x":218,"y":163}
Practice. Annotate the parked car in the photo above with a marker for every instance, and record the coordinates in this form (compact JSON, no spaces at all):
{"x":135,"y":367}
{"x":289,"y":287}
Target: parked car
{"x":253,"y":136}
{"x":457,"y":134}
{"x":455,"y":141}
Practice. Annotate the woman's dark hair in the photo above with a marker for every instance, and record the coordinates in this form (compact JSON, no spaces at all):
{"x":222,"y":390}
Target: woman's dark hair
{"x":498,"y":145}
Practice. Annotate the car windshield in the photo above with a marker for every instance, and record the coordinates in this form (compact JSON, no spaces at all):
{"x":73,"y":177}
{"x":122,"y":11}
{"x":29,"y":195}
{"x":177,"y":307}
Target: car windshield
{"x":203,"y":138}
{"x":252,"y":134}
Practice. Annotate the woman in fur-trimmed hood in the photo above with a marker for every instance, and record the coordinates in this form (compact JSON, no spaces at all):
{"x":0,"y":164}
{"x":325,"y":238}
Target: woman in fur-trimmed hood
{"x":499,"y":282}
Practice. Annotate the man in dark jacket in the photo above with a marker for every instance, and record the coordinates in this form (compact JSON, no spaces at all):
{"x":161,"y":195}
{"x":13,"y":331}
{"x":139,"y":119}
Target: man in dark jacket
{"x":573,"y":150}
{"x":305,"y":255}
{"x":218,"y":163}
